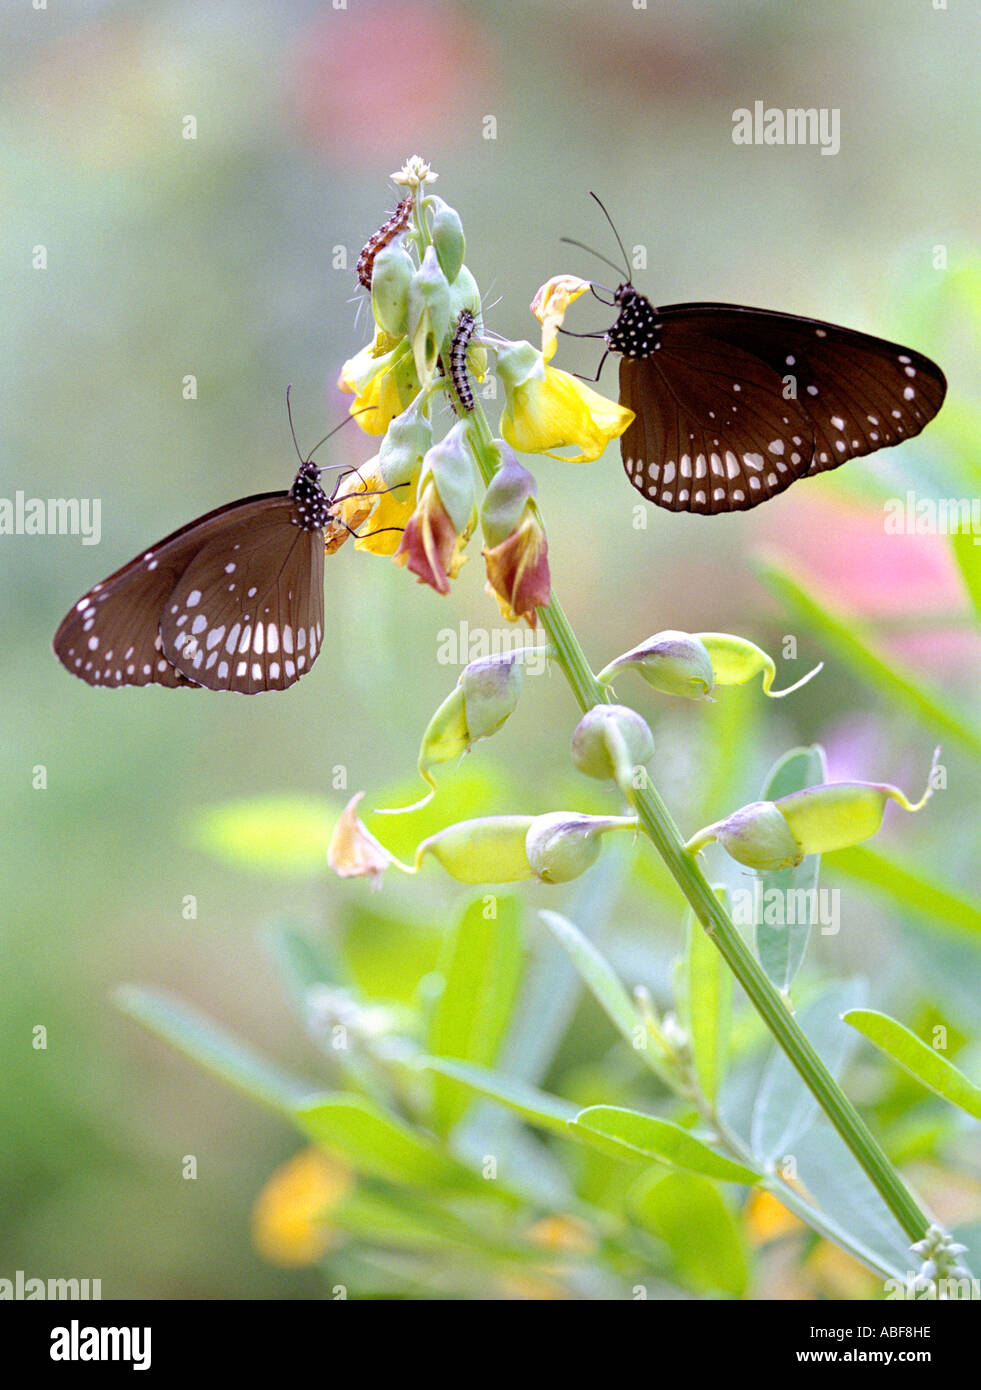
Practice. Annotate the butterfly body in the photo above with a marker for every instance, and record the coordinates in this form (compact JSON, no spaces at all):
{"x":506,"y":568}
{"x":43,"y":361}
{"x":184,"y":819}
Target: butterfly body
{"x":732,"y":404}
{"x":232,"y":601}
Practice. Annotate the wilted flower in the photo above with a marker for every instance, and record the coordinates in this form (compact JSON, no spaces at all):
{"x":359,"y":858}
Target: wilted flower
{"x":437,"y":531}
{"x":353,"y":851}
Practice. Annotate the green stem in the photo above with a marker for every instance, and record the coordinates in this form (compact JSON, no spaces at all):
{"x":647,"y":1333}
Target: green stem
{"x":657,"y":822}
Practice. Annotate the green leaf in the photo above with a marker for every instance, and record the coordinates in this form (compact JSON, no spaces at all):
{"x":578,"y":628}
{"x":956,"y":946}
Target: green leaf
{"x":210,"y":1046}
{"x":482,"y":968}
{"x":639,"y":1138}
{"x":784,"y":1108}
{"x":537,"y":1107}
{"x":276,"y":835}
{"x":598,"y":974}
{"x":707,"y":1006}
{"x":916,"y":1057}
{"x":691,"y":1216}
{"x":853,"y":646}
{"x":302,"y":963}
{"x":789,"y":895}
{"x":967,"y":553}
{"x":914,"y":891}
{"x":378,"y":1144}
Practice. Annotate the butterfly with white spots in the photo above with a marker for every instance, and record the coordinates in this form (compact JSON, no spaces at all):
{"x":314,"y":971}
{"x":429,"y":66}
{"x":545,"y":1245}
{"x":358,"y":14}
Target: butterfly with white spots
{"x":232,"y":601}
{"x":733,"y":404}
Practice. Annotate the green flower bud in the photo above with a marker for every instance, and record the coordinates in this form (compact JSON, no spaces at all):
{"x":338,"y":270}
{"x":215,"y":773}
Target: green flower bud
{"x":675,"y":663}
{"x":610,"y":741}
{"x":464,"y":294}
{"x":736,"y":661}
{"x":405,"y":444}
{"x":447,"y":234}
{"x":503,"y":507}
{"x":487,"y":693}
{"x":450,"y":463}
{"x":563,"y":845}
{"x":488,"y":850}
{"x":390,"y":277}
{"x":428,"y":314}
{"x":835,"y":815}
{"x":756,"y":835}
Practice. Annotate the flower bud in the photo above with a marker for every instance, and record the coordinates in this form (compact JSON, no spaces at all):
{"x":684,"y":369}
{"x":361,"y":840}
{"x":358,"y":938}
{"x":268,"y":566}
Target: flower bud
{"x":406,"y":442}
{"x":736,"y":661}
{"x":486,"y":695}
{"x":777,"y":834}
{"x":447,"y":234}
{"x":610,"y":741}
{"x":676,"y":663}
{"x":564,"y":844}
{"x":428,"y":314}
{"x":393,"y":270}
{"x":465,"y":294}
{"x":487,"y":850}
{"x":516,"y":550}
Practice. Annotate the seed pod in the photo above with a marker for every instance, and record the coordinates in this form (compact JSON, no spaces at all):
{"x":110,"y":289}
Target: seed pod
{"x":428,"y":314}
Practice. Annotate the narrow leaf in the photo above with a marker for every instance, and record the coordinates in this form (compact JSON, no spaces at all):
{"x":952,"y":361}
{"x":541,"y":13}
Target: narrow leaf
{"x":691,"y":1216}
{"x":708,"y":1006}
{"x":844,"y":635}
{"x":967,"y":553}
{"x":211,"y":1046}
{"x":598,"y":974}
{"x":914,"y":890}
{"x":916,"y":1057}
{"x":537,"y":1107}
{"x":640,"y":1138}
{"x":482,"y":968}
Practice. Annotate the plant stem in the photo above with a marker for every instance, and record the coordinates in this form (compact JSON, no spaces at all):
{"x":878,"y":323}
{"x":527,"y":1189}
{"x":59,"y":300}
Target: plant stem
{"x":659,"y":825}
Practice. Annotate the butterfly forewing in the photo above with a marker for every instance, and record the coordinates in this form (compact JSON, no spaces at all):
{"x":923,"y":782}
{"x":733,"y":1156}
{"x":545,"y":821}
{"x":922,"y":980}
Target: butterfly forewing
{"x":733,"y":404}
{"x":112,"y":635}
{"x":248,"y":613}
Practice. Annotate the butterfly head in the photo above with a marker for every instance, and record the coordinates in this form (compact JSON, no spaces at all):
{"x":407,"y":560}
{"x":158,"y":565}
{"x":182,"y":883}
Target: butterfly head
{"x":310,"y":502}
{"x":636,"y":332}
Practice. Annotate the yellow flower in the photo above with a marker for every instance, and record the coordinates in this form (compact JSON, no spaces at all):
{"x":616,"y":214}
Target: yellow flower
{"x":382,"y":378}
{"x":547,"y":409}
{"x":550,"y":304}
{"x":289,"y":1223}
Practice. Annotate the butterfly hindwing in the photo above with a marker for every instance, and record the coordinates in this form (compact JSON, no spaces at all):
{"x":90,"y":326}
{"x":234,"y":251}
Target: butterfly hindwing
{"x":248,"y":613}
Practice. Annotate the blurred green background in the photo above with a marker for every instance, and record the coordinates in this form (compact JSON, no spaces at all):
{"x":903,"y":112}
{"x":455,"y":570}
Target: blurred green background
{"x":213,"y":257}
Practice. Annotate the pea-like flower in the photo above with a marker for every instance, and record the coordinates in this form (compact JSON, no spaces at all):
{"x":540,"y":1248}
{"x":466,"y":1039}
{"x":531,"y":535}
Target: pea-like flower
{"x":547,"y":409}
{"x":516,"y":549}
{"x":769,"y":835}
{"x":382,"y":379}
{"x":445,"y":513}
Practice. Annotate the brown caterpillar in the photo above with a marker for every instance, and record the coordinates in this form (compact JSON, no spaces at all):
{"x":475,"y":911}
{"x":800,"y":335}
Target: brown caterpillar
{"x":458,"y":359}
{"x":386,"y":233}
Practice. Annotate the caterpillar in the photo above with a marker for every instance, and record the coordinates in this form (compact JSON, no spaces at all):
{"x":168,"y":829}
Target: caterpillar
{"x":458,"y":359}
{"x":386,"y":233}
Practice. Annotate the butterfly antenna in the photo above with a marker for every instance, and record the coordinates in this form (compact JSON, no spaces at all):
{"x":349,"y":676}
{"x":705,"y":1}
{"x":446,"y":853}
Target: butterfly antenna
{"x":598,"y":254}
{"x":626,"y":259}
{"x":289,"y":413}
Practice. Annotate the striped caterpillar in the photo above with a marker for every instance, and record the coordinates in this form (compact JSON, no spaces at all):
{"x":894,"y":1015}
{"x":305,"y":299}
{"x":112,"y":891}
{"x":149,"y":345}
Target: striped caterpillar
{"x":458,"y":360}
{"x":386,"y":233}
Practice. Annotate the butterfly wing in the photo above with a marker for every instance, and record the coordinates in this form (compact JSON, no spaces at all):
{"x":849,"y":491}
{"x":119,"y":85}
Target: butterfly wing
{"x":843,"y":393}
{"x":248,"y":614}
{"x":111,"y":637}
{"x":712,"y":431}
